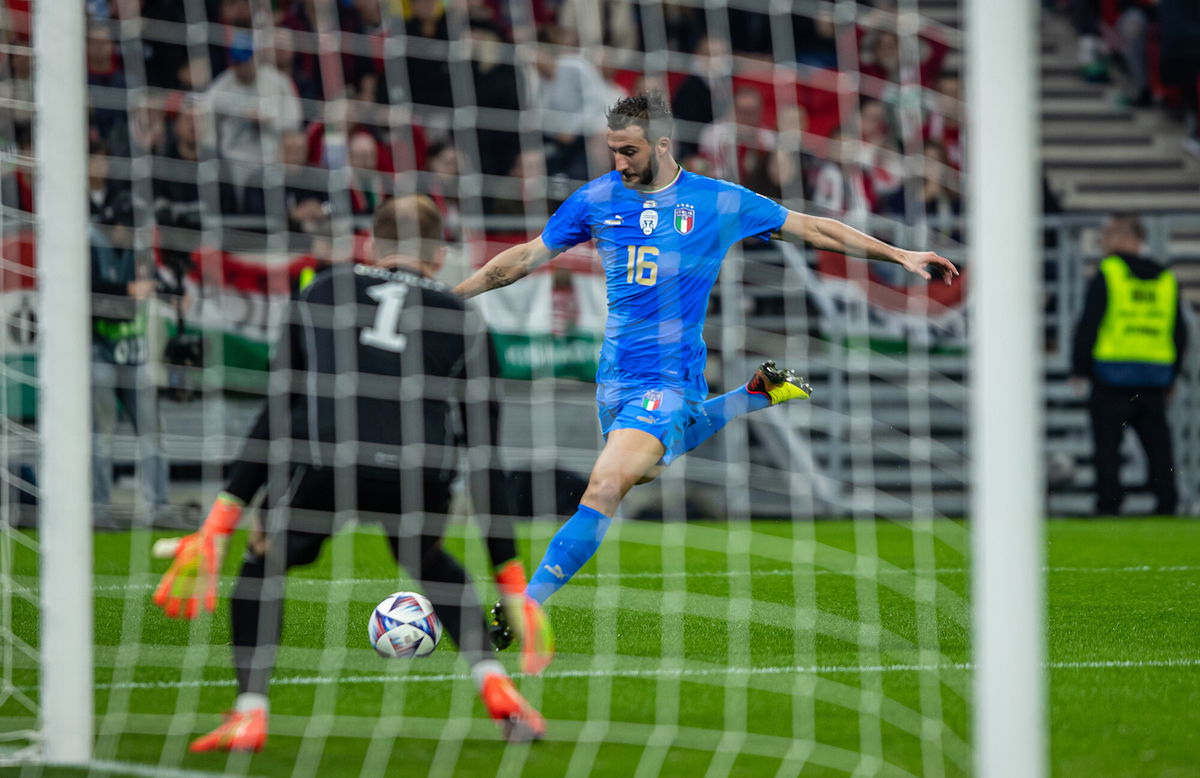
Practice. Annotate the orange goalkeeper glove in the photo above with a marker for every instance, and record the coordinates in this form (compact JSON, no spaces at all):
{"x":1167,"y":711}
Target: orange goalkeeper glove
{"x":193,"y":575}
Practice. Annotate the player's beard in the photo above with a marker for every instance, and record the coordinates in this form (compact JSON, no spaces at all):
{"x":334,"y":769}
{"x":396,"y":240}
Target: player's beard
{"x":646,"y":176}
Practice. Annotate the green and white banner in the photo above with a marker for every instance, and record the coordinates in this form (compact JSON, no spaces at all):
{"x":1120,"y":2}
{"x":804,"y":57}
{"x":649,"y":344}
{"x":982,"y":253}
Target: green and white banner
{"x":551,"y":324}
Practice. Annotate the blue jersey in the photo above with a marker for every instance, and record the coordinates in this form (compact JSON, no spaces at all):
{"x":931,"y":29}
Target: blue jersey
{"x":661,"y":251}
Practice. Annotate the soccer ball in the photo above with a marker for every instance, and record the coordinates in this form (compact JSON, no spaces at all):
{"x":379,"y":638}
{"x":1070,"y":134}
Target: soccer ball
{"x":404,"y":625}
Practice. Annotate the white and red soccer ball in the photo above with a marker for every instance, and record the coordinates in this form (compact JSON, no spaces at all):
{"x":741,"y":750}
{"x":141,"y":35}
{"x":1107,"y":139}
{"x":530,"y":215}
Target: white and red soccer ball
{"x":403,"y":626}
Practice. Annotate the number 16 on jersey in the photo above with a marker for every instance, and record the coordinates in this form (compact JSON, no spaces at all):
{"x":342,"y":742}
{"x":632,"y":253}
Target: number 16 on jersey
{"x":641,"y":269}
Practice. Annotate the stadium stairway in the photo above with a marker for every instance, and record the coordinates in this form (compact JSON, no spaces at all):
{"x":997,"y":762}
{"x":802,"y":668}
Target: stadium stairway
{"x":890,"y":440}
{"x":1100,"y":156}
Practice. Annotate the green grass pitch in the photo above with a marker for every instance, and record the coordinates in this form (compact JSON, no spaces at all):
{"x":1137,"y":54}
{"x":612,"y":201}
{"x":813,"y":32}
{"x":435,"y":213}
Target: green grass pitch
{"x":756,"y":649}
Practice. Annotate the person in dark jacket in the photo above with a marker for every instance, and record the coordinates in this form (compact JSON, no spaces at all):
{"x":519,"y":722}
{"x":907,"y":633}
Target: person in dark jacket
{"x":121,"y":380}
{"x":1130,"y":344}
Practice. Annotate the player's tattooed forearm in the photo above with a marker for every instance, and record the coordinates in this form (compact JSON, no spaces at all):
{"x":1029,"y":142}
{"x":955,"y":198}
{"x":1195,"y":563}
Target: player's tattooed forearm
{"x":497,"y":277}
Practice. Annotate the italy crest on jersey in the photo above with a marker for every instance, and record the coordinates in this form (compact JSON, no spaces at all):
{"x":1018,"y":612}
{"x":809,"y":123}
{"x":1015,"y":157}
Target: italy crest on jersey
{"x":652,"y":400}
{"x":685,"y":219}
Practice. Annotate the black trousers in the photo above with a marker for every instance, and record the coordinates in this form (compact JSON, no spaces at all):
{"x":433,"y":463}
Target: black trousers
{"x":412,"y":507}
{"x":1113,"y":408}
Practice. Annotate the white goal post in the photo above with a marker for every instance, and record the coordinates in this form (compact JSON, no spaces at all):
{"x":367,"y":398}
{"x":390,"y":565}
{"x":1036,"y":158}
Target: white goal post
{"x":64,"y":412}
{"x":1006,"y":390}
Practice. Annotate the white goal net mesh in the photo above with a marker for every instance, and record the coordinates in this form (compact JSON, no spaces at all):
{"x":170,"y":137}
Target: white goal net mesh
{"x":791,"y":597}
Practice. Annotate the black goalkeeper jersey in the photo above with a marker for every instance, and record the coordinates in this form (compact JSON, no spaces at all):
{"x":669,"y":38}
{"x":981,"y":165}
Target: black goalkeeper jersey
{"x":367,"y":365}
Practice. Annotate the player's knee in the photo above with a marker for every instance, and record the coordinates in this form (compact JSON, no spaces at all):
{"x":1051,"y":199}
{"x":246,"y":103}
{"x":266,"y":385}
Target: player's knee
{"x":605,"y":492}
{"x":299,"y":549}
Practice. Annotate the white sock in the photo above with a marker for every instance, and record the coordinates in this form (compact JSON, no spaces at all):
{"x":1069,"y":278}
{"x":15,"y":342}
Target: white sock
{"x":483,"y":669}
{"x":247,"y":702}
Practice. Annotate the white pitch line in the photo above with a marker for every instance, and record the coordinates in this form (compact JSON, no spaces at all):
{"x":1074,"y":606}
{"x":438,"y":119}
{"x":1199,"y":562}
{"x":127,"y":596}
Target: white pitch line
{"x":787,"y":571}
{"x":1129,"y":569}
{"x":134,"y":768}
{"x":654,"y":672}
{"x":887,"y":571}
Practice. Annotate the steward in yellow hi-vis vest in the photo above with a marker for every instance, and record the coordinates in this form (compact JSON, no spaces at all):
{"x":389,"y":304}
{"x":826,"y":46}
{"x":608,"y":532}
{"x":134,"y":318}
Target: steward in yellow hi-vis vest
{"x":1130,"y":344}
{"x":1135,"y":343}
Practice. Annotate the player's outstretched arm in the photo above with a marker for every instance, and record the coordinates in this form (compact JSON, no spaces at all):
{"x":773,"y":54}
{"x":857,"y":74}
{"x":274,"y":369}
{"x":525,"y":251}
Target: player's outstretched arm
{"x":512,"y":264}
{"x":833,"y":235}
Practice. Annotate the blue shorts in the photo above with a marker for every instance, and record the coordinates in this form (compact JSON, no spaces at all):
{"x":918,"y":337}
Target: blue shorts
{"x":663,"y":411}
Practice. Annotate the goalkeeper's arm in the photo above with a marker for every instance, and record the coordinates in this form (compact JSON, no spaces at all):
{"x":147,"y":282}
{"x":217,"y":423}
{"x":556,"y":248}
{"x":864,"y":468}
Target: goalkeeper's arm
{"x":480,"y":406}
{"x":192,"y":576}
{"x":248,"y":474}
{"x":191,"y":580}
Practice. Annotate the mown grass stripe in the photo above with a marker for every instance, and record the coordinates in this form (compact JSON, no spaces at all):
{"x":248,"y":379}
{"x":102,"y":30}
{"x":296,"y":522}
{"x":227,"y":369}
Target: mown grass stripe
{"x":658,"y":574}
{"x":663,"y":673}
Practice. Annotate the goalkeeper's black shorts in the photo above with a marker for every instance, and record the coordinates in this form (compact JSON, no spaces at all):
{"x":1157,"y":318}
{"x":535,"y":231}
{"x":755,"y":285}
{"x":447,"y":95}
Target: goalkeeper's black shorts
{"x":408,"y":504}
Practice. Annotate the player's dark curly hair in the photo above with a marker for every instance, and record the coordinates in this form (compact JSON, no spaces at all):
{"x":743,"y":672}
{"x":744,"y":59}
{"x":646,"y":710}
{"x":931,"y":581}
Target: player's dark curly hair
{"x":648,"y":110}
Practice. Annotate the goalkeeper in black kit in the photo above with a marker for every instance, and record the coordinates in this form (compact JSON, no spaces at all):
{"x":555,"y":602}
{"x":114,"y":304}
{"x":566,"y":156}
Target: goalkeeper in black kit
{"x":369,"y":358}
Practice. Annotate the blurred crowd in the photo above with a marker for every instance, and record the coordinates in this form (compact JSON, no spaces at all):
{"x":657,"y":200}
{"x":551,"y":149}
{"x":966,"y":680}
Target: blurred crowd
{"x":298,"y":113}
{"x":211,"y":120}
{"x":294,"y":119}
{"x":1157,"y":45}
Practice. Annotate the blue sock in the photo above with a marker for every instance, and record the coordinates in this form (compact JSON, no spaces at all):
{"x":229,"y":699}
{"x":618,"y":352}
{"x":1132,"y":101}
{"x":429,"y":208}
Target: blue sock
{"x":719,"y":411}
{"x":571,"y":547}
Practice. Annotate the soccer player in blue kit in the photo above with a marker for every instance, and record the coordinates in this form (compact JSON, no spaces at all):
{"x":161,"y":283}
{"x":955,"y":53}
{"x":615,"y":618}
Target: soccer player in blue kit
{"x":662,"y":233}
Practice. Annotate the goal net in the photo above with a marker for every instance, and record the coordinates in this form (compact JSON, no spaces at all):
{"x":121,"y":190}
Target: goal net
{"x":791,"y":597}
